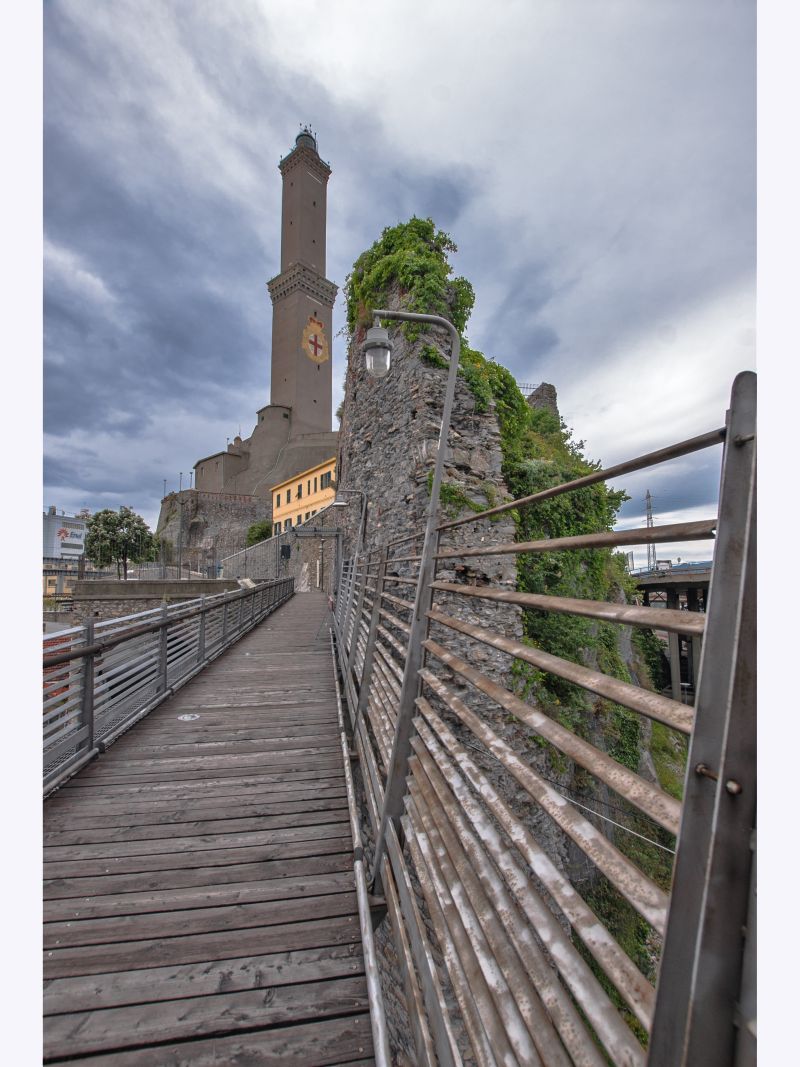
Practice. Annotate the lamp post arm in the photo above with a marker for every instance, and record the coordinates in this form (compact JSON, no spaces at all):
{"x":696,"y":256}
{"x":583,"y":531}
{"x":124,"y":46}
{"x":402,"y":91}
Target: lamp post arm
{"x":401,"y":748}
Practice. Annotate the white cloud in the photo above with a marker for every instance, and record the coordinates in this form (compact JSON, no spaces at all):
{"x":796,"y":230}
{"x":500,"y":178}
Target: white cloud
{"x":67,"y":267}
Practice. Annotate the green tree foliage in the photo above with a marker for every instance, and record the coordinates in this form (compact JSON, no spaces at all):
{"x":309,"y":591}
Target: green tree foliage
{"x":119,"y":537}
{"x":259,"y":531}
{"x":412,"y":256}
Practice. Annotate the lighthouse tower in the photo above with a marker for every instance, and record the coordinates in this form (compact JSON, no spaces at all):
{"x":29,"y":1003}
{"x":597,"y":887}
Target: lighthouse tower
{"x":302,"y":297}
{"x":292,"y":432}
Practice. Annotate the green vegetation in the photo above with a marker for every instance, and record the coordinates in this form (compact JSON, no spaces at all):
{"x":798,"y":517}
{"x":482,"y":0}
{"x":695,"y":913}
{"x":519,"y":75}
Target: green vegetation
{"x":259,"y":531}
{"x":119,"y":537}
{"x":412,"y":256}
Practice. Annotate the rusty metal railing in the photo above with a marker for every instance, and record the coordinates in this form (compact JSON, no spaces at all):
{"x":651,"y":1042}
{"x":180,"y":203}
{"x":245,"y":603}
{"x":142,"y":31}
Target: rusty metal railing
{"x":503,"y":955}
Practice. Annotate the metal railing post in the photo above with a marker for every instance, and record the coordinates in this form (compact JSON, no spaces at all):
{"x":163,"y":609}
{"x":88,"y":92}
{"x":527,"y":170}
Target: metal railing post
{"x":87,"y":709}
{"x":698,"y":981}
{"x":224,"y":621}
{"x":369,"y":651}
{"x":201,"y":634}
{"x":351,"y":659}
{"x":349,"y":609}
{"x":163,"y":636}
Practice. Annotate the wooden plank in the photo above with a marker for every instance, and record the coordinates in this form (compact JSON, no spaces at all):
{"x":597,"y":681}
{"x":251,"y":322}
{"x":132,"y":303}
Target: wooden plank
{"x":238,"y":916}
{"x":292,"y":888}
{"x":323,"y":1043}
{"x":131,"y":831}
{"x":198,"y":948}
{"x":211,"y":857}
{"x":288,"y":765}
{"x":195,"y":876}
{"x":200,"y":902}
{"x":233,"y":838}
{"x":79,"y":1033}
{"x":118,"y":988}
{"x":257,"y":785}
{"x":204,"y":737}
{"x":197,"y":811}
{"x":168,"y":765}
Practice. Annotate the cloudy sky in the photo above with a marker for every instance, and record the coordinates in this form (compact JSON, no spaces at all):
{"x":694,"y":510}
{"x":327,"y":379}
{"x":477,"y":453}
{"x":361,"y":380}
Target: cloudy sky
{"x":594,"y":160}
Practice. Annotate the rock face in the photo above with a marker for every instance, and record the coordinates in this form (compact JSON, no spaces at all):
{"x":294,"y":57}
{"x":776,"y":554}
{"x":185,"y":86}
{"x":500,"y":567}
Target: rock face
{"x":544,"y":396}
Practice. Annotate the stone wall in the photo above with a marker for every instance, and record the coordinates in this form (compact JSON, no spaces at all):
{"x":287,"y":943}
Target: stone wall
{"x":213,"y":525}
{"x":113,"y":600}
{"x":313,"y":554}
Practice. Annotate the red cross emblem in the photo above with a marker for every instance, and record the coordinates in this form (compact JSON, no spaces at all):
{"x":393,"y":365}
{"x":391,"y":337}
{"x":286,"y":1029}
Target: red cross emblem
{"x":314,"y":342}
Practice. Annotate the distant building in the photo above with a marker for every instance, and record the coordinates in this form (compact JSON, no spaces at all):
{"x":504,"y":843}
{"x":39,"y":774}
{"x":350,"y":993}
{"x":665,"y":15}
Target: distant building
{"x":63,"y":535}
{"x":296,"y":499}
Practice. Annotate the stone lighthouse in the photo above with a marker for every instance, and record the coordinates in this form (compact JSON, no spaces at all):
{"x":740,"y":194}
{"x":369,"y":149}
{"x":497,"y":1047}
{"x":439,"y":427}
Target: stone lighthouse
{"x":292,"y":432}
{"x":302,"y":297}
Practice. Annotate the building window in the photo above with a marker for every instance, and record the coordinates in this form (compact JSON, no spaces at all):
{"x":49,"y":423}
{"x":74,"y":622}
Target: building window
{"x":288,"y":524}
{"x":309,"y":487}
{"x":315,"y":484}
{"x":308,"y":516}
{"x":276,"y":528}
{"x":288,"y":496}
{"x":277,"y":500}
{"x":325,"y":480}
{"x":299,"y":490}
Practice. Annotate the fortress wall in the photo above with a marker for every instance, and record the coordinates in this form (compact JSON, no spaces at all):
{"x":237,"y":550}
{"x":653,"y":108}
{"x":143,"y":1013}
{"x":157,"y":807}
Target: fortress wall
{"x":214,"y":525}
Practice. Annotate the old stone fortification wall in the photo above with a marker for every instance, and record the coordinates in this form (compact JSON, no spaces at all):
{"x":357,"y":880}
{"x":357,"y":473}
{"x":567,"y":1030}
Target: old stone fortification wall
{"x":112,"y":600}
{"x":213,"y":525}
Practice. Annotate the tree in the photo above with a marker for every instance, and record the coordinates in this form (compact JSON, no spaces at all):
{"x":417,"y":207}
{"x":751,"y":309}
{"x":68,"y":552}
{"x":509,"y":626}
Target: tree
{"x":259,"y":531}
{"x":119,"y":537}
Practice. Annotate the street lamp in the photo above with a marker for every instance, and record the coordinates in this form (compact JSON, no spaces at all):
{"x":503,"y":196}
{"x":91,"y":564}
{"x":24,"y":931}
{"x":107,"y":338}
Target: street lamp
{"x":377,"y":350}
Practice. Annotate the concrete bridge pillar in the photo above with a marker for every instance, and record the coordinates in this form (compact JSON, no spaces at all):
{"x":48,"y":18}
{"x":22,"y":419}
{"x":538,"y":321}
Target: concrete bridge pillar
{"x":674,"y":649}
{"x":695,"y":646}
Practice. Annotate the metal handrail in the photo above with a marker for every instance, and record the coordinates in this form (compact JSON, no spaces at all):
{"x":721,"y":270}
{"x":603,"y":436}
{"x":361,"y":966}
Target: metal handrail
{"x":124,"y":676}
{"x":490,"y":942}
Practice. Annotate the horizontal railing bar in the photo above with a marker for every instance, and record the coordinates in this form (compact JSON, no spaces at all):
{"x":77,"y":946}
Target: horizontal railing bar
{"x":120,"y":637}
{"x":399,"y":601}
{"x":679,"y":622}
{"x":510,"y":995}
{"x":660,"y":806}
{"x":483,"y":1046}
{"x":614,"y":961}
{"x":640,"y":891}
{"x":679,"y":531}
{"x":651,"y":459}
{"x":653,"y":705}
{"x":446,"y":1044}
{"x":532,"y":984}
{"x":400,"y":581}
{"x":423,"y":1044}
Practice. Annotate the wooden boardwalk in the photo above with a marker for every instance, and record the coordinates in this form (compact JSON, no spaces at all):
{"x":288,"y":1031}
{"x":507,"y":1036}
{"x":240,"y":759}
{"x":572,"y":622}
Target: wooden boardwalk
{"x":200,"y":903}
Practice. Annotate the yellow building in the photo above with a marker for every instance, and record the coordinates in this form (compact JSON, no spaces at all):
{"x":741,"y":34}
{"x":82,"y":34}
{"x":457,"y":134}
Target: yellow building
{"x":297,"y":499}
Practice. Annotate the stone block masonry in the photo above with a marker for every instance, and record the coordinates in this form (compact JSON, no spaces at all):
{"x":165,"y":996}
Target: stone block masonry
{"x":209,"y":526}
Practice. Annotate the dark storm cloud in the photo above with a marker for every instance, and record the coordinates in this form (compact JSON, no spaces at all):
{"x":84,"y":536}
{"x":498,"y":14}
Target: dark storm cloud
{"x":690,"y":483}
{"x":619,"y":197}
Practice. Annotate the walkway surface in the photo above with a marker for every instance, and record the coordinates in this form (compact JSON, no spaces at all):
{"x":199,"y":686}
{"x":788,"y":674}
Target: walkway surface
{"x":200,"y":903}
